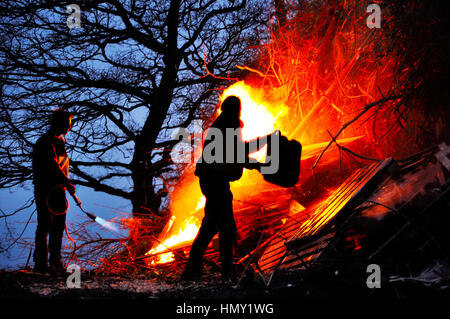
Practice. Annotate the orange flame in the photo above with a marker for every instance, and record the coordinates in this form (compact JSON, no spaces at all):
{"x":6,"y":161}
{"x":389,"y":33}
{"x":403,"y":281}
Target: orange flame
{"x":307,"y":85}
{"x":184,"y":234}
{"x":260,"y":118}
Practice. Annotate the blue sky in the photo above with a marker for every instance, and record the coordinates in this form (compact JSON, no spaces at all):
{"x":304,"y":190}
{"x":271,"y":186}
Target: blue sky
{"x":98,"y":203}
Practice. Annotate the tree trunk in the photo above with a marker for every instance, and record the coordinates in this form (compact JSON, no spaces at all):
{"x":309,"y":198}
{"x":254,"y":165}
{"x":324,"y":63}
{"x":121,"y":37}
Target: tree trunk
{"x":144,"y":199}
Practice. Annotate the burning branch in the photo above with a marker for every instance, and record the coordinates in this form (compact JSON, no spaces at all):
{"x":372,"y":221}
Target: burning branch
{"x":345,"y":149}
{"x":365,"y":109}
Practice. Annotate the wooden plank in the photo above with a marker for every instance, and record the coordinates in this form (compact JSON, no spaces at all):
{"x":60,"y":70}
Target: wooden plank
{"x":339,"y":200}
{"x":276,"y":250}
{"x":307,"y":253}
{"x":302,"y":239}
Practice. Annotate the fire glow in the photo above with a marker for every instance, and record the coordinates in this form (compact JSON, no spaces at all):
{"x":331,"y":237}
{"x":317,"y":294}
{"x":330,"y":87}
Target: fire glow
{"x":260,"y":118}
{"x":306,"y":87}
{"x":182,"y":228}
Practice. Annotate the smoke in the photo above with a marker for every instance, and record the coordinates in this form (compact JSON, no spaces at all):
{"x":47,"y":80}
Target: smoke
{"x":108,"y":225}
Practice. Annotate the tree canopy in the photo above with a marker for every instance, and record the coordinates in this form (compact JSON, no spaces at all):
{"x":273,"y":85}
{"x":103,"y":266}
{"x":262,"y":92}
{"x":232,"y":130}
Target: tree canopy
{"x":131,"y":73}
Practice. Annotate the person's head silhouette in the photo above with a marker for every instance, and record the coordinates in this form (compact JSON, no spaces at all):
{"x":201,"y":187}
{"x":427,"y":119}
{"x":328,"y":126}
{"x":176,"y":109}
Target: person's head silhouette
{"x":231,"y":107}
{"x":61,"y":122}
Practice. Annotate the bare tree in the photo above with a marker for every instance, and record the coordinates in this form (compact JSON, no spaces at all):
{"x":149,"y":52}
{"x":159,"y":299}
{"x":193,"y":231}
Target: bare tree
{"x":132,"y":72}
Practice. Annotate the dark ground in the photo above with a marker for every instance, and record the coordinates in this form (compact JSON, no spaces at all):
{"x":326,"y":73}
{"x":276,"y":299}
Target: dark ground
{"x":291,"y":295}
{"x":316,"y":284}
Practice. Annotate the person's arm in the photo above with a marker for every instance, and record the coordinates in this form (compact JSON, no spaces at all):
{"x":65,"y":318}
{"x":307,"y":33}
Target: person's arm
{"x":254,"y":146}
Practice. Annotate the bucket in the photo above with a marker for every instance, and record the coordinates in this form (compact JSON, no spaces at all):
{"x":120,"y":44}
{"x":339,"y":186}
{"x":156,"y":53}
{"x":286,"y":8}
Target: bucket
{"x":288,"y":171}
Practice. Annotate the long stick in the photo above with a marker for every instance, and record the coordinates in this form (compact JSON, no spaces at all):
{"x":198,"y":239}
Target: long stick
{"x":366,"y":108}
{"x":350,"y":151}
{"x":169,"y":250}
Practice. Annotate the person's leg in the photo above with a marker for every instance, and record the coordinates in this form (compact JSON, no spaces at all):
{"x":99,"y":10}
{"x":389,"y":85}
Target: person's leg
{"x":228,"y":233}
{"x":58,"y":224}
{"x":208,"y":229}
{"x":42,"y":229}
{"x":199,"y":246}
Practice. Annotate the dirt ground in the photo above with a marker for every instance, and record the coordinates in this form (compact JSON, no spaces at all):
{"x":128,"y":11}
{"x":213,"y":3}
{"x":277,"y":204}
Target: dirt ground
{"x":314,"y":284}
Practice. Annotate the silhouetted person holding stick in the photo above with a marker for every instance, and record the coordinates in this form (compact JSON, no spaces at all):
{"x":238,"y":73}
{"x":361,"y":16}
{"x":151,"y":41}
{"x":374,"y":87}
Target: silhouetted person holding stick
{"x":218,"y":165}
{"x":50,"y":178}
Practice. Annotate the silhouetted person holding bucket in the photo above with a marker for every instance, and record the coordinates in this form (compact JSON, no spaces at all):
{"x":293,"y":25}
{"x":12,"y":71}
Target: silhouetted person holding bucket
{"x":51,"y":179}
{"x":215,"y":174}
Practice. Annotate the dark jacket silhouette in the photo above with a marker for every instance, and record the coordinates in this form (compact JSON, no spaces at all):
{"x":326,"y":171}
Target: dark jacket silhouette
{"x":50,"y":179}
{"x":214,"y":181}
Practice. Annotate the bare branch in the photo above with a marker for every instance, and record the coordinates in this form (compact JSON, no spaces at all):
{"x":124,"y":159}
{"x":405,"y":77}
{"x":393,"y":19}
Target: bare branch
{"x":365,"y":109}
